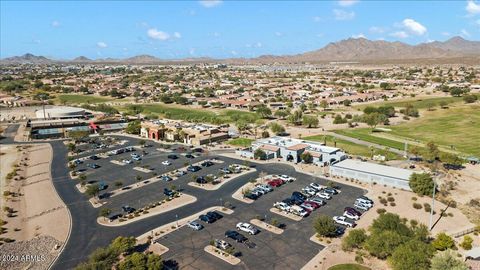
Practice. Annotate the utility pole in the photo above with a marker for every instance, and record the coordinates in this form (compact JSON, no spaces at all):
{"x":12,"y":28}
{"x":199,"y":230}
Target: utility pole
{"x":433,"y":206}
{"x":406,"y":149}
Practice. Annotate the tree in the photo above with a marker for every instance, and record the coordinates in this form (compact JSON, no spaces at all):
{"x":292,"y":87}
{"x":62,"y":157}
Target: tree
{"x":140,"y":261}
{"x":421,"y":183}
{"x":281,"y":114}
{"x":310,"y":121}
{"x":138,"y":178}
{"x":71,"y":147}
{"x":265,"y":134}
{"x":295,"y":118}
{"x":457,"y":91}
{"x":93,"y":190}
{"x":412,"y":255}
{"x":133,"y":127}
{"x":383,"y":244}
{"x":432,"y":152}
{"x":324,"y":226}
{"x":123,"y":244}
{"x":118,"y":184}
{"x":373,"y":119}
{"x":276,"y":128}
{"x":447,"y":260}
{"x":142,"y":143}
{"x":260,"y":154}
{"x":467,"y":242}
{"x":354,"y":239}
{"x":241,"y":125}
{"x":104,"y":212}
{"x":443,"y":104}
{"x":324,"y":104}
{"x":306,"y":157}
{"x":443,"y":242}
{"x":390,"y":222}
{"x":470,"y":98}
{"x":263,"y":111}
{"x":347,"y":102}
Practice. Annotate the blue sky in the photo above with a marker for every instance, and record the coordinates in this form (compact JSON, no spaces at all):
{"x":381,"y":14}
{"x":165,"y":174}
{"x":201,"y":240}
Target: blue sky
{"x":220,"y":29}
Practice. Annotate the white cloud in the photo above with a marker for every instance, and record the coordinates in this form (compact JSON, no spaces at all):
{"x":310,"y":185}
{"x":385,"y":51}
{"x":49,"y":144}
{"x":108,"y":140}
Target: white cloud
{"x":347,"y":3}
{"x":177,"y":35}
{"x":472,"y":8}
{"x":210,"y":3}
{"x":102,"y":44}
{"x":233,"y":52}
{"x":192,"y":51}
{"x":430,"y":40}
{"x":414,"y":27}
{"x":478,"y":22}
{"x":445,"y":34}
{"x":464,"y":33}
{"x":55,"y":24}
{"x":399,"y":34}
{"x":317,"y":19}
{"x":377,"y":30}
{"x":258,"y":45}
{"x":216,"y":34}
{"x":342,"y":15}
{"x":248,"y":45}
{"x":278,"y":34}
{"x":361,"y":35}
{"x":320,"y":35}
{"x":158,"y":35}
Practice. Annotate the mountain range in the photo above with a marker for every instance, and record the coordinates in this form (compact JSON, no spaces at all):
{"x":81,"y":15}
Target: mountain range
{"x":348,"y":50}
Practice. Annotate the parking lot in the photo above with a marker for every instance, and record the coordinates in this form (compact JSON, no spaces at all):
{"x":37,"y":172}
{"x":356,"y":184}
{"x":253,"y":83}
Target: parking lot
{"x":289,"y":250}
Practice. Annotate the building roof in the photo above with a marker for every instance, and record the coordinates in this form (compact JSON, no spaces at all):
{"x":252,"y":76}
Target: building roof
{"x":269,"y":147}
{"x":373,"y":168}
{"x":298,"y":146}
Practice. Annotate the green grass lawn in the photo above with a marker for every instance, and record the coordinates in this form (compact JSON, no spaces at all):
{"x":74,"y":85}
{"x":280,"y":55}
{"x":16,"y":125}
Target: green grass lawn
{"x":353,"y":148}
{"x":419,"y":103}
{"x":196,"y":115}
{"x":458,"y":127}
{"x":78,"y":99}
{"x":348,"y":266}
{"x":240,"y":142}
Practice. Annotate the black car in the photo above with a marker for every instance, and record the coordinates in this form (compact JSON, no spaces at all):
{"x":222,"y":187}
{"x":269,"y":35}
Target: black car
{"x":201,"y":180}
{"x":339,"y":231}
{"x":194,"y":168}
{"x":240,"y":238}
{"x":207,"y":164}
{"x":93,"y":165}
{"x":127,"y":209}
{"x":298,"y":195}
{"x":289,"y":201}
{"x":172,"y":156}
{"x":297,"y":200}
{"x":251,"y":196}
{"x":198,"y":150}
{"x":215,"y":215}
{"x":94,"y":157}
{"x":189,"y":156}
{"x":168,"y":192}
{"x":330,"y":190}
{"x":207,"y":219}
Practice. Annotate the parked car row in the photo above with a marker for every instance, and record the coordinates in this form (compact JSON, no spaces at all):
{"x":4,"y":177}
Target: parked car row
{"x":352,"y":214}
{"x":121,"y":151}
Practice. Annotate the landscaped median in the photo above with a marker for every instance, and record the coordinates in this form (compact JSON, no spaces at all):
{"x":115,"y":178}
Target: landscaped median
{"x":219,"y":182}
{"x":285,"y":214}
{"x":221,"y":254}
{"x":150,"y":210}
{"x":239,"y":194}
{"x":269,"y":227}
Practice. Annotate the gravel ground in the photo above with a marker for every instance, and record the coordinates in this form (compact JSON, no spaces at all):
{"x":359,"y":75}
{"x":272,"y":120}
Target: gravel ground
{"x":36,"y":253}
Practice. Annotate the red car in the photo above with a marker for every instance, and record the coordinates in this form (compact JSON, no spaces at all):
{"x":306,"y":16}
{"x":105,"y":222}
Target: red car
{"x":313,"y":204}
{"x":275,"y":183}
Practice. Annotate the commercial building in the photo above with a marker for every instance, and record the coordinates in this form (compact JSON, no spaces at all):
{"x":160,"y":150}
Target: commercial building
{"x":290,"y":149}
{"x":179,"y":131}
{"x":372,"y":172}
{"x":61,"y":112}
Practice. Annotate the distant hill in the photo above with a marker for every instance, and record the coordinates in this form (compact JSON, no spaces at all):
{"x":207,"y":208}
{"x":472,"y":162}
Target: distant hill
{"x":27,"y":58}
{"x":454,"y":50}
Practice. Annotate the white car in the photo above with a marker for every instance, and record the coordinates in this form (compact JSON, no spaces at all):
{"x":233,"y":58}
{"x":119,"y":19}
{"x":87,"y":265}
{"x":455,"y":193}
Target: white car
{"x":324,"y":195}
{"x":127,"y":161}
{"x":309,"y":191}
{"x":350,"y":215}
{"x":265,"y":188}
{"x":316,"y":186}
{"x":195,"y":225}
{"x":316,"y":200}
{"x":286,"y":178}
{"x":343,"y":221}
{"x":361,"y":206}
{"x":282,"y":206}
{"x":368,"y":203}
{"x":166,"y":163}
{"x":246,"y":227}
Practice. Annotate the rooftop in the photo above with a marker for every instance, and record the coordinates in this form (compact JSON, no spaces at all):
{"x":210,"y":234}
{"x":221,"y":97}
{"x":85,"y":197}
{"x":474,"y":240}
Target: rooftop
{"x":373,"y":168}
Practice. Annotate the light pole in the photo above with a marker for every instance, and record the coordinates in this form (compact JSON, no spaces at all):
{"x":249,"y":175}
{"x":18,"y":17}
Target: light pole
{"x":176,"y":220}
{"x":433,"y":206}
